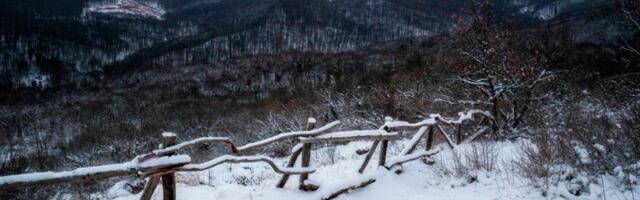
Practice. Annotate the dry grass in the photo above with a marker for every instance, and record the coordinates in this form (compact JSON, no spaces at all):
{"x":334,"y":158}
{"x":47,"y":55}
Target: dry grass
{"x":464,"y":163}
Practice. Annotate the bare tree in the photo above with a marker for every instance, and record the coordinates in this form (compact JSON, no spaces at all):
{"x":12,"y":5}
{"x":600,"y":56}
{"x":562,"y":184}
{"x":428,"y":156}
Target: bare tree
{"x":506,"y":68}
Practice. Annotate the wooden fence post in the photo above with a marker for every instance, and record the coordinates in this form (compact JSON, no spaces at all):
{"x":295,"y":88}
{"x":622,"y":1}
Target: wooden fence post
{"x":383,"y":153}
{"x":430,"y":138}
{"x":383,"y":149}
{"x":306,"y":158}
{"x":150,"y":187}
{"x":368,"y":157}
{"x":169,"y":180}
{"x":459,"y":134}
{"x":291,"y":163}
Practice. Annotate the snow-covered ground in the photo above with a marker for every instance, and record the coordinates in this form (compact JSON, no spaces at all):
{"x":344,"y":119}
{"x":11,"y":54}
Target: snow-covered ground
{"x":337,"y":167}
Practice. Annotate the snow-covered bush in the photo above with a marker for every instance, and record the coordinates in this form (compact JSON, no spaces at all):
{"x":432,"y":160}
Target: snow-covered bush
{"x":561,"y":167}
{"x":467,"y":162}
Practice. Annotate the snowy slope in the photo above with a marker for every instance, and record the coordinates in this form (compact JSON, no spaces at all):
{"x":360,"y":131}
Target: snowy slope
{"x":128,"y":8}
{"x":548,"y":10}
{"x":337,"y":167}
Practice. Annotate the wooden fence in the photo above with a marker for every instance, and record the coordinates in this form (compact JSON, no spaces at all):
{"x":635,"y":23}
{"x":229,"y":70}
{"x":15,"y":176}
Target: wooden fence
{"x":160,"y":166}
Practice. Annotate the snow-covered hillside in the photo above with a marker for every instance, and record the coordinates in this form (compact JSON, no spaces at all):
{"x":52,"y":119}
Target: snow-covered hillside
{"x":337,"y":168}
{"x":548,"y":10}
{"x":128,"y":8}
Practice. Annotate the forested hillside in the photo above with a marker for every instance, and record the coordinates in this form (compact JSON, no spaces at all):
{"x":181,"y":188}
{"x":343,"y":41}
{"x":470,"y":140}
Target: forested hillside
{"x":59,"y":43}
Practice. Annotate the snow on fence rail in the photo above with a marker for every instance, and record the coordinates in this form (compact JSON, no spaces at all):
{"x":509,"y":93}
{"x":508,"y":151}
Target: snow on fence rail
{"x":234,"y":148}
{"x":241,"y":159}
{"x":352,"y":135}
{"x":435,"y":118}
{"x":163,"y":163}
{"x":92,"y":173}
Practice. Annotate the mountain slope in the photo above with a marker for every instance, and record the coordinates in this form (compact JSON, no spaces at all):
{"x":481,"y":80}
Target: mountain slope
{"x":66,"y":41}
{"x":126,"y":8}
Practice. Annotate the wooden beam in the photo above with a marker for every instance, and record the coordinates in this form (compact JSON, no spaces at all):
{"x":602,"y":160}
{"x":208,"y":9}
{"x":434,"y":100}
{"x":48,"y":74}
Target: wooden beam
{"x":368,"y":157}
{"x":306,"y":157}
{"x":446,"y":137}
{"x":291,"y":163}
{"x":169,"y":180}
{"x":150,"y":187}
{"x":429,"y":138}
{"x":383,"y":153}
{"x":91,"y":173}
{"x":243,"y":159}
{"x":306,"y":160}
{"x":459,"y":134}
{"x":346,"y":136}
{"x":234,"y":148}
{"x":285,"y":136}
{"x":413,"y":143}
{"x":203,"y":140}
{"x":14,"y":184}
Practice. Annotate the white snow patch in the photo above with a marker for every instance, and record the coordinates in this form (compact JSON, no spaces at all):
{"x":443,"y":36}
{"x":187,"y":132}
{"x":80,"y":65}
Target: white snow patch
{"x":418,"y":181}
{"x":600,"y":148}
{"x":117,"y":190}
{"x":35,"y":80}
{"x":169,"y":134}
{"x":311,"y":120}
{"x":583,"y":153}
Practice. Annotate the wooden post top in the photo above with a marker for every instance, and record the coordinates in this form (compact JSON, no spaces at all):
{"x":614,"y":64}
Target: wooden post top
{"x":311,"y":123}
{"x":169,"y":139}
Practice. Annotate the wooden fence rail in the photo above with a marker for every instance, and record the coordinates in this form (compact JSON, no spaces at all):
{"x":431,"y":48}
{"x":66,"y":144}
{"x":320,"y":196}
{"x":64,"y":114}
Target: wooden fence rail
{"x":92,"y":173}
{"x":160,"y":166}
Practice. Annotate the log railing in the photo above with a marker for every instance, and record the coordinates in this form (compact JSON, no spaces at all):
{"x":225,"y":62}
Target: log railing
{"x":160,"y":166}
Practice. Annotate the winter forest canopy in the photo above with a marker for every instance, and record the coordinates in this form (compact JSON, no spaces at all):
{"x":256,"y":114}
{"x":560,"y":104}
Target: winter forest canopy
{"x":94,"y":82}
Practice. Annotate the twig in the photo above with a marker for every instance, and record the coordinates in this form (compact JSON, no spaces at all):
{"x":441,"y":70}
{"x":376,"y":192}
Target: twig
{"x":349,"y":189}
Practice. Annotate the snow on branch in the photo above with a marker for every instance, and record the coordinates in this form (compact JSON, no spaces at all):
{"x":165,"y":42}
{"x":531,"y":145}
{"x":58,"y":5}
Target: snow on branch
{"x":464,"y":116}
{"x":92,"y":173}
{"x":474,"y":82}
{"x":542,"y":76}
{"x":245,"y":159}
{"x":469,"y":102}
{"x":482,"y":84}
{"x":352,"y":135}
{"x":284,"y":136}
{"x":435,"y":118}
